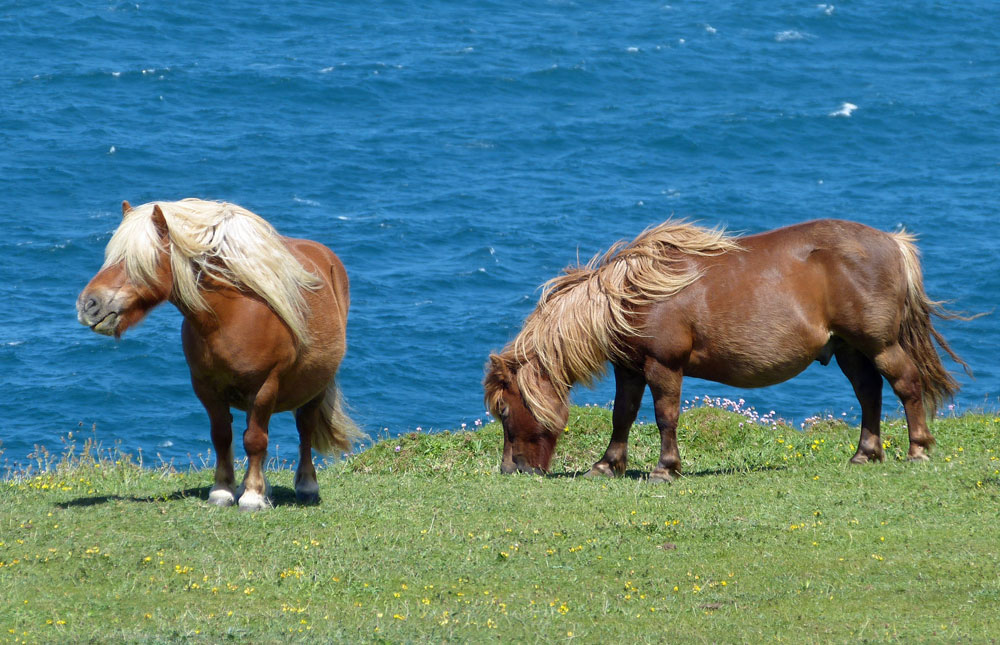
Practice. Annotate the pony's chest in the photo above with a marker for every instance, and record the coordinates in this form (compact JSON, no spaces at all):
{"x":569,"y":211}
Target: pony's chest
{"x":232,"y":372}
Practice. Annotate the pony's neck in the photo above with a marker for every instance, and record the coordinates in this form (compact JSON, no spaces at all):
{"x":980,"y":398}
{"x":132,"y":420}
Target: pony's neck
{"x":547,"y":399}
{"x":206,"y":321}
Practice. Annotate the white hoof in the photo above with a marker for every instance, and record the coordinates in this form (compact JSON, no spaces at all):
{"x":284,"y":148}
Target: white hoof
{"x":221,"y":496}
{"x":251,"y":501}
{"x":243,"y":487}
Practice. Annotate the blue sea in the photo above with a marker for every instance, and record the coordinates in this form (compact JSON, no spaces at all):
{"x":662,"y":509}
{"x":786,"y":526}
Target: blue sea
{"x":456,"y":155}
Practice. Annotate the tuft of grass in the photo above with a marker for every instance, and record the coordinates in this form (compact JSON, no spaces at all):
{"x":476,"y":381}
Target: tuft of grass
{"x":770,"y":536}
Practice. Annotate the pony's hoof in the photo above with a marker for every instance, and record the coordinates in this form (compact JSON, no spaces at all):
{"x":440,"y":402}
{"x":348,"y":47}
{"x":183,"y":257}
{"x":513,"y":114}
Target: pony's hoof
{"x":251,"y":501}
{"x":243,"y":487}
{"x":221,"y":497}
{"x":601,"y":469}
{"x":662,"y":475}
{"x":863,"y":458}
{"x":307,"y":498}
{"x":917,"y":453}
{"x":306,"y":490}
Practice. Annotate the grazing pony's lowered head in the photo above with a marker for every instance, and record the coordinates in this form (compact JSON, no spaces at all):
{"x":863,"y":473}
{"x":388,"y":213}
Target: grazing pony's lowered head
{"x":533,"y":414}
{"x":175,"y":250}
{"x":129,"y":284}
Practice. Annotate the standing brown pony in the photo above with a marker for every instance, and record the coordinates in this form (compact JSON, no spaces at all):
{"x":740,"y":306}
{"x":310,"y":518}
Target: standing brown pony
{"x":264,"y":326}
{"x":748,"y":312}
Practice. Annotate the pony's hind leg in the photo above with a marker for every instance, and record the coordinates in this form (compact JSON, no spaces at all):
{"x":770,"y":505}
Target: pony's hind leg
{"x":867,"y":383}
{"x":306,"y":485}
{"x":629,"y":387}
{"x":221,"y":420}
{"x":902,"y":374}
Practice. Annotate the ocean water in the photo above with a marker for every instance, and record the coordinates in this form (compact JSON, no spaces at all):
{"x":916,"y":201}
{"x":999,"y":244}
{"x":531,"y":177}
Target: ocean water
{"x":456,"y":155}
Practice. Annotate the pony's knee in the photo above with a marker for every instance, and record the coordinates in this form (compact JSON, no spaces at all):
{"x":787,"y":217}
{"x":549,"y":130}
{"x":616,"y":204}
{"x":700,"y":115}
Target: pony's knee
{"x":255,"y":442}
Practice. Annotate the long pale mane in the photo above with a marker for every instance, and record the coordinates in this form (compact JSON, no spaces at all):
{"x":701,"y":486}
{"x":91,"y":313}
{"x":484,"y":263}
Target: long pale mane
{"x":585,"y":315}
{"x":223,"y":241}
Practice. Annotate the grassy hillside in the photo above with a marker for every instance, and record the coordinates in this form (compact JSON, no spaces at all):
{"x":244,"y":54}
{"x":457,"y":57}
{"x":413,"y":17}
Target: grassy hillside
{"x":770,"y":536}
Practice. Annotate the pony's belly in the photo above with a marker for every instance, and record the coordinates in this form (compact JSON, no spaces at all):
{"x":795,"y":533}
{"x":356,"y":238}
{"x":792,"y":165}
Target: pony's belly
{"x":750,"y":371}
{"x":751,"y":379}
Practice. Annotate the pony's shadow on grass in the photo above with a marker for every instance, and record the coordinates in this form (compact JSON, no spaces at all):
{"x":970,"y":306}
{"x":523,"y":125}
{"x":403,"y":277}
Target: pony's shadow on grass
{"x":644,"y":474}
{"x":280,"y":496}
{"x":579,"y":474}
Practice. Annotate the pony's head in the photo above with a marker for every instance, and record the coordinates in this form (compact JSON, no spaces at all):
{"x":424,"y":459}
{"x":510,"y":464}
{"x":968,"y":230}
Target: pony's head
{"x":135,"y":277}
{"x":531,"y":411}
{"x":182,"y":250}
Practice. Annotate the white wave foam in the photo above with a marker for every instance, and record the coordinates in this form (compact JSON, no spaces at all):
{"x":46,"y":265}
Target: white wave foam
{"x":710,"y":29}
{"x":112,"y":150}
{"x":166,"y":444}
{"x":632,"y":50}
{"x":789,"y":35}
{"x":307,"y":202}
{"x":845,"y":110}
{"x":826,"y":8}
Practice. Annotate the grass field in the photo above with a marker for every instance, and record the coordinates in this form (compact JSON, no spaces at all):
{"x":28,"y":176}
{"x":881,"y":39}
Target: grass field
{"x":770,"y":537}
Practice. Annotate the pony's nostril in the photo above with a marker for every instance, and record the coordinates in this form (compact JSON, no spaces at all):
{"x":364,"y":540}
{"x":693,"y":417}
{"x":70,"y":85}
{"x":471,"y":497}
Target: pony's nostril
{"x":91,"y":305}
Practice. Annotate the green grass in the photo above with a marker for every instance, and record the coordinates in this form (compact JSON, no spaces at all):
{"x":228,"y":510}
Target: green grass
{"x":771,"y":536}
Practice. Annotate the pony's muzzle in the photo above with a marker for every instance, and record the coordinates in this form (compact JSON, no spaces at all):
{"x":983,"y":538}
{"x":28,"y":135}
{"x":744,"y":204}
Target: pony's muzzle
{"x":519,"y":465}
{"x":100,"y":314}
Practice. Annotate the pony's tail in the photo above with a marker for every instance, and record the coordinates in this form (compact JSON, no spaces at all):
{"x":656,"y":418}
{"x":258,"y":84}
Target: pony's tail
{"x":917,"y":335}
{"x":335,"y":430}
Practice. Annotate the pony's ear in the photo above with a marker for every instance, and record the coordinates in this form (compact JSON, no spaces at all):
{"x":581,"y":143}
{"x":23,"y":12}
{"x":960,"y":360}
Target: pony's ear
{"x":126,"y":207}
{"x":159,"y":221}
{"x":498,"y":367}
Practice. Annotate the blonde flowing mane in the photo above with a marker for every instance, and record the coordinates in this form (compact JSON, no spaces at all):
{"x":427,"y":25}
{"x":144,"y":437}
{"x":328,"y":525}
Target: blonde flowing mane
{"x":223,"y":241}
{"x":586,"y":313}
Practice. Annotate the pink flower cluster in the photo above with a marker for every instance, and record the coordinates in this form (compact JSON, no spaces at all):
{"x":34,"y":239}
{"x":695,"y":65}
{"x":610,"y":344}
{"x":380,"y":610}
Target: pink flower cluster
{"x":739,"y":407}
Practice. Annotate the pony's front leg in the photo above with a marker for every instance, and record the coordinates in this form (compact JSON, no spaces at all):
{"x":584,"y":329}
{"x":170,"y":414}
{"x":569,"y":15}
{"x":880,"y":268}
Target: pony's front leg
{"x":629,"y":386}
{"x":255,"y":492}
{"x":221,"y":420}
{"x":665,"y":386}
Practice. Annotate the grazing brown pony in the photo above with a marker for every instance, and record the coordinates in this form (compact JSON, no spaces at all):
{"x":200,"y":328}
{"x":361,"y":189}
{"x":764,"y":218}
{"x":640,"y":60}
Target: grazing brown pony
{"x":748,"y":312}
{"x":264,"y":326}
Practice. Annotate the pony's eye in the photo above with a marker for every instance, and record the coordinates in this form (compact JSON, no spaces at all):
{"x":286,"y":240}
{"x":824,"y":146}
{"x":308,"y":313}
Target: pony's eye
{"x":504,"y":411}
